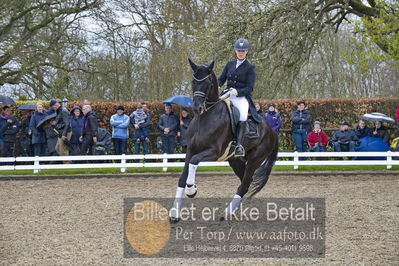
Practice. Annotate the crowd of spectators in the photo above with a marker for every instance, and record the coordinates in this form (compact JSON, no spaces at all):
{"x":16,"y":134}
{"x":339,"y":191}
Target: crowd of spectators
{"x":309,"y":136}
{"x":59,"y":132}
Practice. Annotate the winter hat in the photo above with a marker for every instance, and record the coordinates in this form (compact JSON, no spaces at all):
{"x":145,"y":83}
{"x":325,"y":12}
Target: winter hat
{"x":52,"y":102}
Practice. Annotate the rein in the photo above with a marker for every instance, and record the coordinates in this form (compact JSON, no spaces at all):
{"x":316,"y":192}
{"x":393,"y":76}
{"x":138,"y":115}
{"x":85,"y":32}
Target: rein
{"x":203,"y":95}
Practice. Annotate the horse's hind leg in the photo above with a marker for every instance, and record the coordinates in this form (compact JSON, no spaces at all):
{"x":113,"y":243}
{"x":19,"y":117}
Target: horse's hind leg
{"x":250,"y":168}
{"x":238,"y":167}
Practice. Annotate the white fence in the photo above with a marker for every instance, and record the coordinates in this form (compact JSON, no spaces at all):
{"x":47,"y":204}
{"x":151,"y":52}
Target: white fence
{"x":121,"y":161}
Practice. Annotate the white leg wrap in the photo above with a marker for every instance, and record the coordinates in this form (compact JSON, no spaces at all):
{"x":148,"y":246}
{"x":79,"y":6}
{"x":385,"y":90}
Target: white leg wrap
{"x":191,"y":174}
{"x":235,"y":202}
{"x":175,"y":210}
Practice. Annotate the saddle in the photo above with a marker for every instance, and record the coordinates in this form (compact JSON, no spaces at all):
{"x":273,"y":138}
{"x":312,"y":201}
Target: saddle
{"x":253,"y":128}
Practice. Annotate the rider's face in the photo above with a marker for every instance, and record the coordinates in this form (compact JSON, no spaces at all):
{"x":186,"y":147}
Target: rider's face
{"x":241,"y":54}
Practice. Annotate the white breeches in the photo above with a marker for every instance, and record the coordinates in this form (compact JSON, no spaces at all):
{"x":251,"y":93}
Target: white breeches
{"x":242,"y":104}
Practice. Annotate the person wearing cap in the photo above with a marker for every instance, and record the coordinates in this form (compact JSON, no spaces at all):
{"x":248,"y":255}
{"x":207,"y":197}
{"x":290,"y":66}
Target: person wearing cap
{"x":120,"y":130}
{"x":317,"y":138}
{"x":273,"y":118}
{"x":344,"y":139}
{"x":76,"y":127}
{"x":167,"y":124}
{"x":240,"y":76}
{"x":301,"y":125}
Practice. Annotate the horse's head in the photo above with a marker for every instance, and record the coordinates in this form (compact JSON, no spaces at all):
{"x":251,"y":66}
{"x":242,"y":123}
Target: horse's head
{"x":204,"y":88}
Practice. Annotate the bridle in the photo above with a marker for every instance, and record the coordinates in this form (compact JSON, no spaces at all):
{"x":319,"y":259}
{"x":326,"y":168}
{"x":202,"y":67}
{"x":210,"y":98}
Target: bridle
{"x":206,"y":104}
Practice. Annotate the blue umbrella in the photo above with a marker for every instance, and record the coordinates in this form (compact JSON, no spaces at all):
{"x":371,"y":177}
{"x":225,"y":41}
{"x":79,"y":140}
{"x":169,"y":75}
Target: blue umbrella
{"x":182,"y":100}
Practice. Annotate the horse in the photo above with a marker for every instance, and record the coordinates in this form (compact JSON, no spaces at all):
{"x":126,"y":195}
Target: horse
{"x":210,"y":135}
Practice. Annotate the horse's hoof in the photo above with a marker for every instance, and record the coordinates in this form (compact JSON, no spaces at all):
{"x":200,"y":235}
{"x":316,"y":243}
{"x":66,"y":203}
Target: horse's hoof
{"x":174,"y":220}
{"x":191,"y":191}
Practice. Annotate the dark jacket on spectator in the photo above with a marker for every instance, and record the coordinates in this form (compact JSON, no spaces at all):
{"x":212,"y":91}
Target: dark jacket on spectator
{"x":382,"y":132}
{"x":52,"y":137}
{"x":63,"y":120}
{"x":274,"y":120}
{"x":301,"y":120}
{"x":9,"y":130}
{"x":183,"y":129}
{"x":344,"y":136}
{"x":170,"y":121}
{"x":3,"y":121}
{"x":314,"y":137}
{"x":90,"y":125}
{"x":26,"y":139}
{"x":38,"y":134}
{"x":76,"y":125}
{"x":362,"y":132}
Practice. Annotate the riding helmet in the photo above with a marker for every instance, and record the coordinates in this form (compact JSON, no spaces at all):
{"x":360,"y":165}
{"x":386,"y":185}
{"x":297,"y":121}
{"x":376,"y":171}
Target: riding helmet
{"x":241,"y":44}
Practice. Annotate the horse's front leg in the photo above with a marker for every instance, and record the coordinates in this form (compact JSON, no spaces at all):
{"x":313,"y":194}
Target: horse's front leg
{"x":174,"y":214}
{"x":190,"y":186}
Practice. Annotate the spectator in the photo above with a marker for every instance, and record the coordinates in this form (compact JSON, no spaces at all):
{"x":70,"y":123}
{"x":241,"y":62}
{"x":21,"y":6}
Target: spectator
{"x":167,"y":124}
{"x":3,"y":121}
{"x":26,"y":138}
{"x":362,"y":130}
{"x":120,"y":130}
{"x":104,"y":142}
{"x":301,"y":123}
{"x":9,"y":132}
{"x":86,"y":102}
{"x":344,"y":139}
{"x":380,"y":131}
{"x":63,"y":126}
{"x":76,"y":128}
{"x":140,"y":120}
{"x":38,"y":134}
{"x":258,"y":108}
{"x":89,"y":131}
{"x":52,"y":135}
{"x":273,"y":118}
{"x":184,"y":123}
{"x":317,"y":139}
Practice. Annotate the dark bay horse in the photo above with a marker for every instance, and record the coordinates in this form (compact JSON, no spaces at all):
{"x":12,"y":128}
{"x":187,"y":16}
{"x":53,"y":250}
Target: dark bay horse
{"x":210,"y":134}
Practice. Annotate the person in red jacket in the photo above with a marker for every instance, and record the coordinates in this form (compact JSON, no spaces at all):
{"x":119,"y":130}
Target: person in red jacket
{"x":317,"y":139}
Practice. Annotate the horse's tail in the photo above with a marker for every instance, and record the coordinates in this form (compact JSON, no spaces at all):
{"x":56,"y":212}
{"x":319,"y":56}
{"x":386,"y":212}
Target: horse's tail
{"x":262,"y":174}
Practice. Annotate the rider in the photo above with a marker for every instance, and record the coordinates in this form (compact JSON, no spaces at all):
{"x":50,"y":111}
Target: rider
{"x":240,"y":75}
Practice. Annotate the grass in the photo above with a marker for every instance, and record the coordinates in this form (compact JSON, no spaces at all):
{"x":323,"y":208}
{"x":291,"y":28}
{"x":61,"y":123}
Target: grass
{"x":327,"y":168}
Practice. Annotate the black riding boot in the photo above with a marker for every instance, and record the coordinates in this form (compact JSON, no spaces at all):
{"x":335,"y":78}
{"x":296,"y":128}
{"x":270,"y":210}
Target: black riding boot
{"x":241,"y":131}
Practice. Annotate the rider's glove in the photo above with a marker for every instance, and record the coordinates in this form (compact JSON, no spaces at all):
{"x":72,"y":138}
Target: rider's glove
{"x":233,"y":92}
